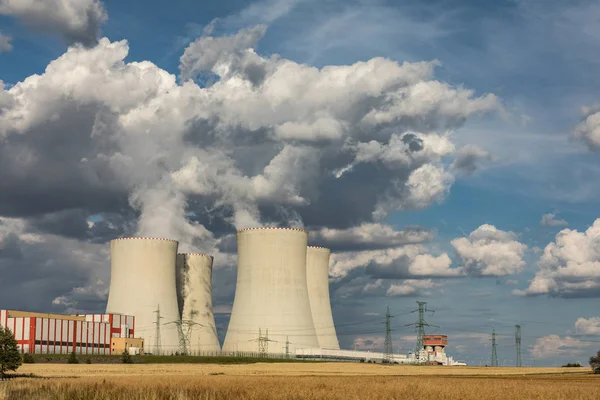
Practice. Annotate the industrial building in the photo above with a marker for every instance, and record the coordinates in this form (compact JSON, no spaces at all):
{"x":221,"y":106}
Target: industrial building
{"x":194,"y":296}
{"x":38,"y":333}
{"x":271,"y":308}
{"x":435,"y":346}
{"x":143,"y":284}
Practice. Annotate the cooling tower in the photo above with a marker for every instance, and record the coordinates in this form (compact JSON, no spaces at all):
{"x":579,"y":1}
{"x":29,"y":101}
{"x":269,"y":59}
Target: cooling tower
{"x":271,"y":292}
{"x":142,"y":281}
{"x":194,"y":295}
{"x":317,"y":278}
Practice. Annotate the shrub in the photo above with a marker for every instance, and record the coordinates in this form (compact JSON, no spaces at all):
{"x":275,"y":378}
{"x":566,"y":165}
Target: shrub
{"x":572,"y":365}
{"x":28,"y":359}
{"x":595,"y":363}
{"x":73,"y":359}
{"x":88,"y":360}
{"x":126,"y":358}
{"x":10,"y":358}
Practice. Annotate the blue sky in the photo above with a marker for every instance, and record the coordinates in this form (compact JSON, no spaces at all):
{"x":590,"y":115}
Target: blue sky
{"x":540,"y":58}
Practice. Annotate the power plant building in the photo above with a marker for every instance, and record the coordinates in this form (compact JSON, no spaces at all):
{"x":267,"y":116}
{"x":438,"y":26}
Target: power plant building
{"x":194,"y":292}
{"x":143,"y":284}
{"x":271,"y":309}
{"x":40,"y":333}
{"x":317,"y":275}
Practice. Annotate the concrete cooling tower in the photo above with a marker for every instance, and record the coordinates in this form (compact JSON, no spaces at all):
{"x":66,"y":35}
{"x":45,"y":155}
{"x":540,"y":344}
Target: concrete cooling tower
{"x":142,"y":281}
{"x":194,"y":283}
{"x":271,"y":293}
{"x":317,"y":277}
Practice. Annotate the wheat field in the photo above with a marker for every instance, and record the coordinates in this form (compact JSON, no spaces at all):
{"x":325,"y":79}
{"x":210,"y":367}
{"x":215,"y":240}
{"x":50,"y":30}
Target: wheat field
{"x":310,"y":381}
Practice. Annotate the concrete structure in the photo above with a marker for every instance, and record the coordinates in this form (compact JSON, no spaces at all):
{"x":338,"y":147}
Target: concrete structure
{"x":40,"y":333}
{"x":349,"y":355}
{"x":369,"y":356}
{"x":271,"y":293}
{"x":134,"y":346}
{"x":317,"y":277}
{"x":194,"y":295}
{"x":435,"y":347}
{"x":142,"y":280}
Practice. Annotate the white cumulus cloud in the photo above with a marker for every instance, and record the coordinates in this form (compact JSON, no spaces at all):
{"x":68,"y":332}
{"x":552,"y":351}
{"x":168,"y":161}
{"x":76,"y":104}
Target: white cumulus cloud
{"x":588,"y":326}
{"x":551,"y":220}
{"x":489,"y":251}
{"x":588,"y":129}
{"x":553,"y":345}
{"x":569,"y":266}
{"x":411,"y":286}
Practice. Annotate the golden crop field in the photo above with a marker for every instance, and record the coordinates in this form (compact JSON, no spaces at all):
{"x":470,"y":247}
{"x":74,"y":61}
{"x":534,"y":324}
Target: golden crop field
{"x":296,"y":381}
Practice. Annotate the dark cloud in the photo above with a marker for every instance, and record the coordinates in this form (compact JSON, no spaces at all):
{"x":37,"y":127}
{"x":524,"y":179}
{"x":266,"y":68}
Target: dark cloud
{"x":76,"y":21}
{"x":468,"y":159}
{"x":368,"y":236}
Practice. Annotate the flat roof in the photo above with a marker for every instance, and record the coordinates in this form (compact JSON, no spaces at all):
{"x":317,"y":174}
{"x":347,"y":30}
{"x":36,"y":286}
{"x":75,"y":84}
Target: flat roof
{"x":25,"y":314}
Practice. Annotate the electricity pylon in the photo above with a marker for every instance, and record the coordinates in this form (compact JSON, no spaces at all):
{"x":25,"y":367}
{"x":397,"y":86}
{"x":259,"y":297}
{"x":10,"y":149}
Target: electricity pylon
{"x":182,"y":343}
{"x":420,"y":325}
{"x":187,"y":333}
{"x":518,"y":343}
{"x":157,"y":340}
{"x":494,"y":353}
{"x":263,"y":342}
{"x":388,"y":356}
{"x":287,"y":347}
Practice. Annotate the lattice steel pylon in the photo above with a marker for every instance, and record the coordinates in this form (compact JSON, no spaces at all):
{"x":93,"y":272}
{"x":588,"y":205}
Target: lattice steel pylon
{"x":182,"y":341}
{"x":494,"y":353}
{"x":263,"y":342}
{"x":388,"y":356}
{"x":287,"y":347}
{"x":420,"y":325}
{"x":157,"y":339}
{"x":187,"y":333}
{"x":518,"y":343}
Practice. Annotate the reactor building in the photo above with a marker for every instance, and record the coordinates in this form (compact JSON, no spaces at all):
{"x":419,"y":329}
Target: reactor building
{"x":143,"y":284}
{"x":271,"y":308}
{"x":194,"y":295}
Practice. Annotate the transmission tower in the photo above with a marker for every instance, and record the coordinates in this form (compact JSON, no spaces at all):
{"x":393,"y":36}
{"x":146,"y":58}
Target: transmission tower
{"x":421,"y":324}
{"x":388,"y":356}
{"x":180,"y":335}
{"x":157,"y":340}
{"x":263,"y":342}
{"x":494,"y":354}
{"x":188,"y":333}
{"x":518,"y":343}
{"x":287,"y":347}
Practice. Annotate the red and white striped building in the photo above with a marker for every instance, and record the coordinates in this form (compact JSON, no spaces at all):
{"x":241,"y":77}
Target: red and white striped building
{"x":40,"y":333}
